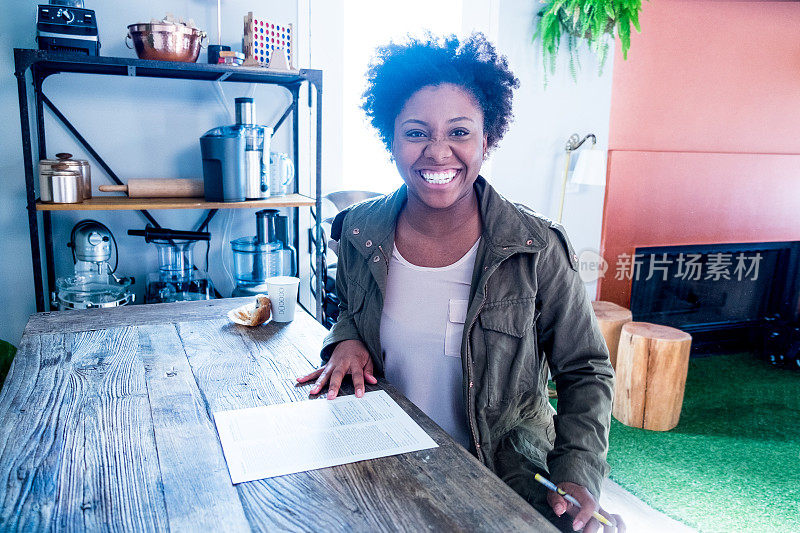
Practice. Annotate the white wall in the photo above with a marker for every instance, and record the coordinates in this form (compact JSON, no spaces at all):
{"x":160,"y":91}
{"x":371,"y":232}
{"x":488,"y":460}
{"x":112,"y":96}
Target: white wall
{"x":527,"y":166}
{"x":141,"y":127}
{"x":325,"y":52}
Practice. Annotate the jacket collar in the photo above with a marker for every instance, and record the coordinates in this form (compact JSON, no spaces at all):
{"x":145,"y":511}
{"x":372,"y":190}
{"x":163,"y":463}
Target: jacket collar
{"x":505,"y":228}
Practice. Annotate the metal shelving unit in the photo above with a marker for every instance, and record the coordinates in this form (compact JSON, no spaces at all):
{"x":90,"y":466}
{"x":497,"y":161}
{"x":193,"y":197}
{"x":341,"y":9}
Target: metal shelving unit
{"x":42,"y":64}
{"x":123,"y":203}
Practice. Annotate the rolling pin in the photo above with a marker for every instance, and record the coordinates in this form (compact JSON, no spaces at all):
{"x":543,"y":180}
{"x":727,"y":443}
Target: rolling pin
{"x":158,"y":188}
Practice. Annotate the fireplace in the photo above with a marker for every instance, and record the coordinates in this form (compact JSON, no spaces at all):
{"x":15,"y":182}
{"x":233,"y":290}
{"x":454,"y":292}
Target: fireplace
{"x":727,"y":296}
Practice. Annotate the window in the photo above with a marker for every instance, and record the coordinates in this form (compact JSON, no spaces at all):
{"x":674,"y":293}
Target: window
{"x":369,"y":24}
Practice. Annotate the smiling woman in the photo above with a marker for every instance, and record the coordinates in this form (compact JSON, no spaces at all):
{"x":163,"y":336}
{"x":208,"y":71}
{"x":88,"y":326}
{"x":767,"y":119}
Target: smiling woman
{"x":462,"y":299}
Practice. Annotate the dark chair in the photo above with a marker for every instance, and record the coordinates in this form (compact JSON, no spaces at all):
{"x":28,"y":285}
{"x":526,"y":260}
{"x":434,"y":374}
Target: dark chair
{"x":7,"y":352}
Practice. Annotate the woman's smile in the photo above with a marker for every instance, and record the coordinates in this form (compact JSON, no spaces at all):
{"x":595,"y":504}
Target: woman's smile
{"x":439,"y":177}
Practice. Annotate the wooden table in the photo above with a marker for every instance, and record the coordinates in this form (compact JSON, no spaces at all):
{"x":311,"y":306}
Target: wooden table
{"x":106,"y":424}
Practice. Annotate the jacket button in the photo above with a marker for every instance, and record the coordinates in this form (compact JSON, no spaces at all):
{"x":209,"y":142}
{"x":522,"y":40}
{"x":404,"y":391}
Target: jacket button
{"x":529,"y":242}
{"x":356,"y":231}
{"x":477,"y":445}
{"x":368,"y":243}
{"x":471,"y":384}
{"x":376,"y":259}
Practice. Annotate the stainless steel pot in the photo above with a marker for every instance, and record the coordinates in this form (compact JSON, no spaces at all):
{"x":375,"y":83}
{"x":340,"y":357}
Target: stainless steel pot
{"x":79,"y":165}
{"x":164,"y":41}
{"x":60,"y":185}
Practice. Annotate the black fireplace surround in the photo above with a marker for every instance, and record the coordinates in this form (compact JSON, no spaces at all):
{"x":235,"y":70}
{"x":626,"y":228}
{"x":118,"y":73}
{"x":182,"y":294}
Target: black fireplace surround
{"x":743,"y":296}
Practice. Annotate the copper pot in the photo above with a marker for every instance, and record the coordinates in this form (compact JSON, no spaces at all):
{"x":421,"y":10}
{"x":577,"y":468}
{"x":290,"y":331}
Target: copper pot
{"x":165,"y":41}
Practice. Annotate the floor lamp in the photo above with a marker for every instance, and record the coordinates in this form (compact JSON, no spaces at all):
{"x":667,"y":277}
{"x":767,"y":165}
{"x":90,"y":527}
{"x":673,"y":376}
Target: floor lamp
{"x":590,"y":169}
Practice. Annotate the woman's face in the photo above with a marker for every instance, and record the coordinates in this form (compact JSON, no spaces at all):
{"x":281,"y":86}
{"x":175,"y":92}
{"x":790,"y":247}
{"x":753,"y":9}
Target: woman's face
{"x":439,"y":143}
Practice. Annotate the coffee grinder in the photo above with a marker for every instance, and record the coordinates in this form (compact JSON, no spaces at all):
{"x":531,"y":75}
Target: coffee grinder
{"x":177,"y":278}
{"x":262,"y":256}
{"x":93,"y":284}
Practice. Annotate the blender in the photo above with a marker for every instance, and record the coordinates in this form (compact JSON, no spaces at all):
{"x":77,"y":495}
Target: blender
{"x":177,"y":278}
{"x":93,"y":283}
{"x":262,"y":256}
{"x":288,"y":253}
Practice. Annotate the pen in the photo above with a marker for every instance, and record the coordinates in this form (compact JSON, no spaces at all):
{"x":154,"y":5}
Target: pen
{"x":549,"y":484}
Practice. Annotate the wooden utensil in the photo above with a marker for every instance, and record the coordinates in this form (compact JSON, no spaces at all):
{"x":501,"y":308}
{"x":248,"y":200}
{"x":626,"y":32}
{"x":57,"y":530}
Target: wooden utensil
{"x":158,"y":188}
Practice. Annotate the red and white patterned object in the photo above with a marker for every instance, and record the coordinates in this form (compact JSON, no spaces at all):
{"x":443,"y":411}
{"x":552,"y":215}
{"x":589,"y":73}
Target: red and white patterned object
{"x":263,"y":38}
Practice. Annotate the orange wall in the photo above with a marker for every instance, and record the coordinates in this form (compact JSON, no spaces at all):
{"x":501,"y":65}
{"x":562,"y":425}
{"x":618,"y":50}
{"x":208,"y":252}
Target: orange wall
{"x":704,"y":130}
{"x":710,"y":76}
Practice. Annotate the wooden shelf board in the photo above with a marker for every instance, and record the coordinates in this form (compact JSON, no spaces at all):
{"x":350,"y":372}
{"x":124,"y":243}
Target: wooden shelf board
{"x":115,"y":203}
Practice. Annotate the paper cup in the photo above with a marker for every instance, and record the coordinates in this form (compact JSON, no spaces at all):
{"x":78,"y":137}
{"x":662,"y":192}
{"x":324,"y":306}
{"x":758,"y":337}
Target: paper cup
{"x":282,"y":292}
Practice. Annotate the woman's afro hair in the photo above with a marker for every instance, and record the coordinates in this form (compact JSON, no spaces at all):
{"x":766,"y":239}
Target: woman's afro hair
{"x":400,"y":70}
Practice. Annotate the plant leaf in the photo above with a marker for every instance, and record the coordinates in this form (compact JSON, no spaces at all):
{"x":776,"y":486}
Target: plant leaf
{"x":624,"y":31}
{"x":635,"y":20}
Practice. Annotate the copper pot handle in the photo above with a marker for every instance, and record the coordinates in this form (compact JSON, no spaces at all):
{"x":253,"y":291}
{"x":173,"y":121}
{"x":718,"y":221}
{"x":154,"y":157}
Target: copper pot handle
{"x":128,"y":36}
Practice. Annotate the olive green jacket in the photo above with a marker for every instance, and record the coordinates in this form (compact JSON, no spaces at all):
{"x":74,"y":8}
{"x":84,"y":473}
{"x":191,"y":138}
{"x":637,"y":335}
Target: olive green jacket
{"x":528,"y":309}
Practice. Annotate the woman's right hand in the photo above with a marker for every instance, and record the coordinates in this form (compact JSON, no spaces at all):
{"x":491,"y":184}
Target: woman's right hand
{"x":348,"y":357}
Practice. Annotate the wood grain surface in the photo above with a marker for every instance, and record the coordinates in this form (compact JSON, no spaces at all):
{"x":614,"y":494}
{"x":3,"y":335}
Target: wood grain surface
{"x":158,"y":188}
{"x":611,"y":317}
{"x":652,"y":365}
{"x":106,"y":423}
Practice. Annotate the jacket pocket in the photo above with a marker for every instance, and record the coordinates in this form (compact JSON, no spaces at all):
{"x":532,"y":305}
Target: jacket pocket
{"x":454,"y":329}
{"x":512,"y":357}
{"x":512,"y":317}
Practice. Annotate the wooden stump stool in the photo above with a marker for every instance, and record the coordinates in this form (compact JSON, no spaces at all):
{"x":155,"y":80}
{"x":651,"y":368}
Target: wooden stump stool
{"x":652,"y":363}
{"x":611,"y":317}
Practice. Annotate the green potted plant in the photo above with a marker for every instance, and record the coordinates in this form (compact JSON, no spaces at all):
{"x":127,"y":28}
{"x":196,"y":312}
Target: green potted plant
{"x":592,"y":21}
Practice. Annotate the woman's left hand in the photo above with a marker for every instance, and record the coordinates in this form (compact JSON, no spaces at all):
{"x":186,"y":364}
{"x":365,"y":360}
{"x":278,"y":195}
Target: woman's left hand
{"x":583,"y":515}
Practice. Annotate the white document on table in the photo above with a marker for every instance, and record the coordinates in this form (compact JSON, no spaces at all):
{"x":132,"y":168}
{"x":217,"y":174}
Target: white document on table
{"x":275,"y":440}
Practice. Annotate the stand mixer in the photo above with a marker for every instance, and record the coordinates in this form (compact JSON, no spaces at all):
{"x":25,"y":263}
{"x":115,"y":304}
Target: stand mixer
{"x":177,"y":279}
{"x":93,"y":283}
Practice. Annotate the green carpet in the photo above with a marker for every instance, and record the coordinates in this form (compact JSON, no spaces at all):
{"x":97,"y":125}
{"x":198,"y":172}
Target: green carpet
{"x":733,"y":461}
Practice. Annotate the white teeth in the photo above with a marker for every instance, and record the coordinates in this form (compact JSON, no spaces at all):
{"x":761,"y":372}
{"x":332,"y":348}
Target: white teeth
{"x":439,"y":178}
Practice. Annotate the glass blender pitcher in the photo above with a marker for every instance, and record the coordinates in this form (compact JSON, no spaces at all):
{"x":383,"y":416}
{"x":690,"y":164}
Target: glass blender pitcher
{"x":257,"y":258}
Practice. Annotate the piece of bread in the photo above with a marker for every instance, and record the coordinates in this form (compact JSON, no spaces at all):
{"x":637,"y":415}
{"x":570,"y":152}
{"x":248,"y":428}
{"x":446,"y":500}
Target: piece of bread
{"x":259,"y":314}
